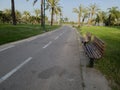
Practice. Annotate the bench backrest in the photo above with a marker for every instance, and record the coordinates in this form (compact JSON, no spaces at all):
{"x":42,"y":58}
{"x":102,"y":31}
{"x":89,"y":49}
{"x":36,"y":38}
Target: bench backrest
{"x":100,"y":45}
{"x":88,"y":36}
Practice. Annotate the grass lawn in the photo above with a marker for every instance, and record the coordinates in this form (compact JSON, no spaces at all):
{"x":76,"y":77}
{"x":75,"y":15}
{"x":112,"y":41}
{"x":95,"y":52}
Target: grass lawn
{"x":10,"y":33}
{"x":110,"y":63}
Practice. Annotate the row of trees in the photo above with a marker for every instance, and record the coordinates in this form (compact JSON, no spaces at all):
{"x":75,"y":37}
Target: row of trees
{"x":21,"y":17}
{"x":15,"y":16}
{"x":92,"y":15}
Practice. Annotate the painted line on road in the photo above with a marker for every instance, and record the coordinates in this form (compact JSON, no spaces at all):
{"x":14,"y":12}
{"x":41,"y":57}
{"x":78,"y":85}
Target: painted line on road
{"x":61,"y":34}
{"x":7,"y":48}
{"x":14,"y":70}
{"x":56,"y":37}
{"x":50,"y":42}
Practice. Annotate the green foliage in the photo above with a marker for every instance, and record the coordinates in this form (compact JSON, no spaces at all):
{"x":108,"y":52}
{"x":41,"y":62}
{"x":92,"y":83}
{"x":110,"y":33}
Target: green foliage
{"x":92,"y":15}
{"x":110,"y":63}
{"x":10,"y":33}
{"x":21,"y":17}
{"x":54,"y":7}
{"x":114,"y":16}
{"x":79,"y":12}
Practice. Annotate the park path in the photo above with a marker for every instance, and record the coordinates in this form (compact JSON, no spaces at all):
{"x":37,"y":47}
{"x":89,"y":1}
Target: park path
{"x":51,"y":61}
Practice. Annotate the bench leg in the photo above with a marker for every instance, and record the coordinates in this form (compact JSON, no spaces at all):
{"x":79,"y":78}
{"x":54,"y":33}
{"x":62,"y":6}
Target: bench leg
{"x":91,"y":62}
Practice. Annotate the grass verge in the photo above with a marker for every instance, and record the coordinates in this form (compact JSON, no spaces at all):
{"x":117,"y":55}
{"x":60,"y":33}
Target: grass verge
{"x":10,"y":33}
{"x":109,"y":65}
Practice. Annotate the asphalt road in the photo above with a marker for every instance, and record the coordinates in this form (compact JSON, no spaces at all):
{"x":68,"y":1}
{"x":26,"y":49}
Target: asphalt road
{"x":46,"y":62}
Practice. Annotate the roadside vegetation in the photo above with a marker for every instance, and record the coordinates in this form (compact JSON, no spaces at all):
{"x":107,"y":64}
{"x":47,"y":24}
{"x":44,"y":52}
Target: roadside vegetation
{"x":16,"y":25}
{"x":109,"y":65}
{"x":106,"y":26}
{"x":93,"y":15}
{"x":10,"y":33}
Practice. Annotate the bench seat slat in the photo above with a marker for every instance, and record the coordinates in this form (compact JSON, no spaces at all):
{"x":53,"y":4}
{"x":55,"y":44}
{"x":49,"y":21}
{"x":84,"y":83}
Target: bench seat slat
{"x":94,"y":53}
{"x":95,"y":48}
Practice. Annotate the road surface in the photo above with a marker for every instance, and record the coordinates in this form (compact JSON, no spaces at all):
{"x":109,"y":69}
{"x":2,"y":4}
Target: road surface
{"x":47,"y":62}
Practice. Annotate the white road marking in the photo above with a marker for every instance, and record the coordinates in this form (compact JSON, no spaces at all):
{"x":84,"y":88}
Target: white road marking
{"x":61,"y":34}
{"x":14,"y":70}
{"x":47,"y":44}
{"x":7,"y":48}
{"x":56,"y":37}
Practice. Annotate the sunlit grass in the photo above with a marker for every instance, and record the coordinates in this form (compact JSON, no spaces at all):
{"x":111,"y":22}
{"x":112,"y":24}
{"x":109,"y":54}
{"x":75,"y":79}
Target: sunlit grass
{"x":10,"y":33}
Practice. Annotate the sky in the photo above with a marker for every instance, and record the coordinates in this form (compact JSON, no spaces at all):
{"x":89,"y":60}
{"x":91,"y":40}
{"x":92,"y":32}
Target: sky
{"x":67,"y":6}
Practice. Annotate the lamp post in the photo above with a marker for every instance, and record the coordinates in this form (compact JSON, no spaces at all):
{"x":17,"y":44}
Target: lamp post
{"x":44,"y":17}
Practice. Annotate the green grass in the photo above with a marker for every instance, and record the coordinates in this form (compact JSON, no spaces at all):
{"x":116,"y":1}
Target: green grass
{"x":110,"y":63}
{"x":10,"y":33}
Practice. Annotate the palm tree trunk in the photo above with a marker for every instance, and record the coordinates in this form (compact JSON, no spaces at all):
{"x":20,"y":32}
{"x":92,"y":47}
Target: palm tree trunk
{"x":78,"y":21}
{"x":13,"y":12}
{"x":109,"y":20}
{"x":42,"y":18}
{"x":52,"y":16}
{"x":56,"y":19}
{"x":83,"y":20}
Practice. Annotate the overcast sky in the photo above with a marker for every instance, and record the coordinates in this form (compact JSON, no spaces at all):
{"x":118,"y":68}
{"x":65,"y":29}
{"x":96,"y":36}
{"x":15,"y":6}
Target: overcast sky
{"x":67,"y":5}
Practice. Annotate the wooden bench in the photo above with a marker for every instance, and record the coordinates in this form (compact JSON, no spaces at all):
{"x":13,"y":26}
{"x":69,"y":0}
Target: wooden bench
{"x":94,"y":49}
{"x":87,"y":37}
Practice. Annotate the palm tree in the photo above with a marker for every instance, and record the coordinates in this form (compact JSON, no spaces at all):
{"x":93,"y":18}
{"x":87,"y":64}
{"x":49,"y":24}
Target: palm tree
{"x":7,"y":11}
{"x":85,"y":15}
{"x":114,"y":15}
{"x":18,"y":16}
{"x":57,"y":12}
{"x":42,"y":11}
{"x":53,"y":6}
{"x":79,"y":12}
{"x":7,"y":16}
{"x":66,"y":19}
{"x":37,"y":12}
{"x":101,"y":17}
{"x":60,"y":18}
{"x":13,"y":12}
{"x":1,"y":16}
{"x":93,"y":11}
{"x":26,"y":16}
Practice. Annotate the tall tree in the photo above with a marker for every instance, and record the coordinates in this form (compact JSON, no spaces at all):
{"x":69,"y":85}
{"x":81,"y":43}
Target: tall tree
{"x":37,"y":15}
{"x":79,"y":12}
{"x":93,"y":9}
{"x":18,"y":16}
{"x":26,"y":16}
{"x":85,"y":15}
{"x":58,"y":12}
{"x":42,"y":11}
{"x":114,"y":15}
{"x":66,"y":19}
{"x":101,"y":17}
{"x":2,"y":16}
{"x":37,"y":12}
{"x":7,"y":16}
{"x":13,"y":12}
{"x":53,"y":6}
